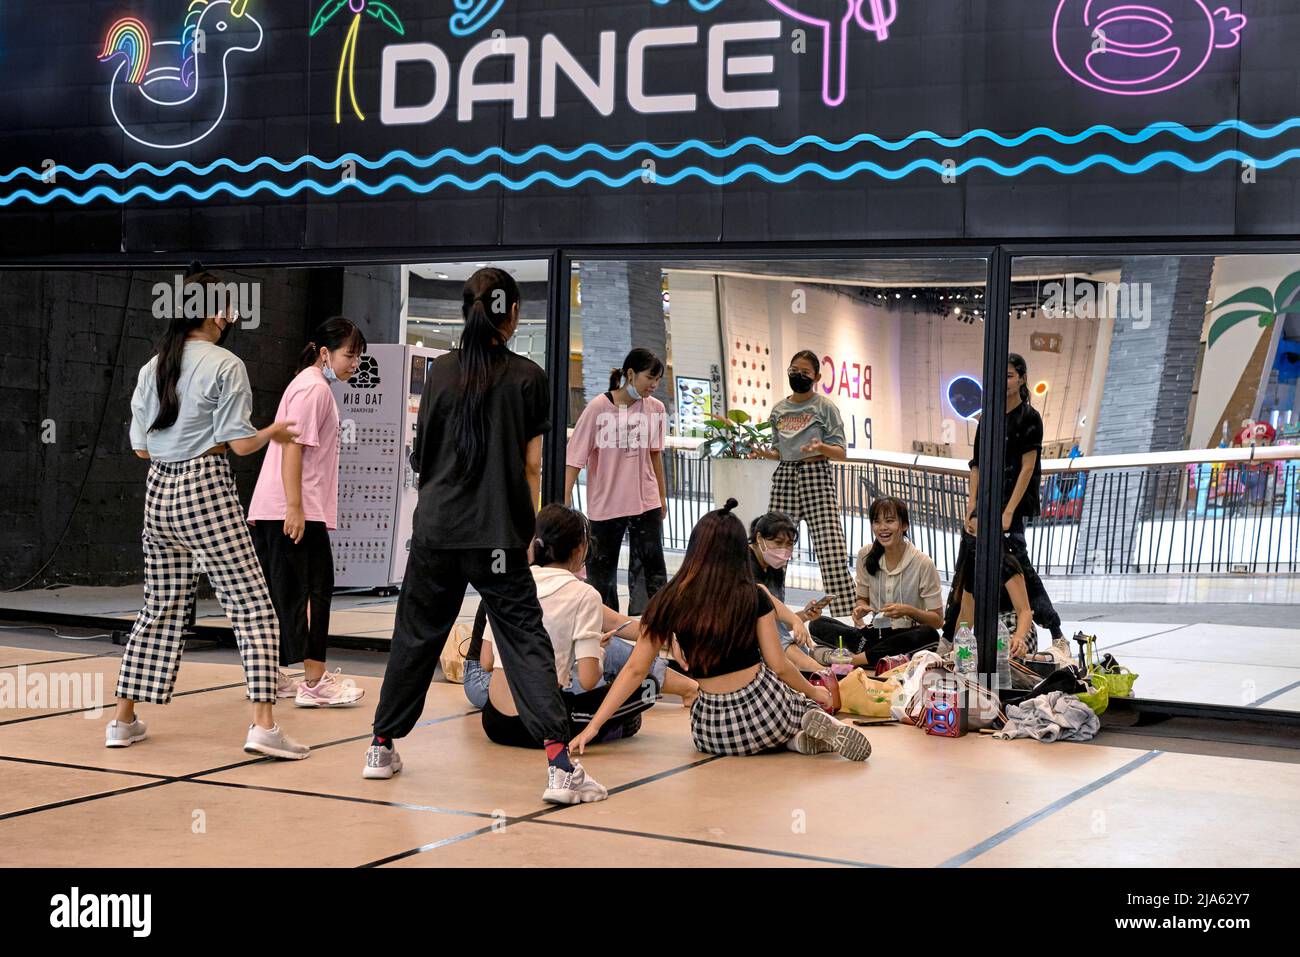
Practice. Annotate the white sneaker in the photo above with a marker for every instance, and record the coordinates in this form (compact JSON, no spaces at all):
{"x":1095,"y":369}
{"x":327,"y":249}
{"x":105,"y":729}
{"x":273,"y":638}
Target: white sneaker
{"x":571,"y":787}
{"x":119,"y":735}
{"x":274,"y":743}
{"x":381,"y":762}
{"x":849,"y":742}
{"x":805,"y":743}
{"x":286,"y":686}
{"x":329,"y":692}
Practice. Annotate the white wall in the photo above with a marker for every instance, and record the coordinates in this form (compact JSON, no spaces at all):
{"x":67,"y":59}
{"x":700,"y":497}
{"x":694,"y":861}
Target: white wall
{"x":693,"y":324}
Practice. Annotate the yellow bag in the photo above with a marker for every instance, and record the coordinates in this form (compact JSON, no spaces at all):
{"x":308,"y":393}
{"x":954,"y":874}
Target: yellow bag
{"x":453,"y":653}
{"x":864,"y":694}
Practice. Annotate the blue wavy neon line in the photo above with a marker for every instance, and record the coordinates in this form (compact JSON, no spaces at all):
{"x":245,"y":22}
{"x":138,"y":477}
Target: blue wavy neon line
{"x":671,"y":152}
{"x":467,"y":20}
{"x":692,"y":172}
{"x":703,"y":6}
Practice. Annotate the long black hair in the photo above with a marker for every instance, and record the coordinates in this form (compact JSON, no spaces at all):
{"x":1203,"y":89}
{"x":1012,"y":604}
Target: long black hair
{"x":883,"y":508}
{"x":172,"y":348}
{"x":638,"y":360}
{"x":963,"y":578}
{"x":1017,"y":362}
{"x":487,"y":300}
{"x":335,"y":332}
{"x":711,"y":603}
{"x":560,"y":532}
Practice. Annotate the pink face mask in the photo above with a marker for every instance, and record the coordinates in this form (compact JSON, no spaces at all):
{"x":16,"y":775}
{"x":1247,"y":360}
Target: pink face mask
{"x":777,"y":557}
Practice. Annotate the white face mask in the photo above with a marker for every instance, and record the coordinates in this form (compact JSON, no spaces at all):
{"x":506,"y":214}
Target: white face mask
{"x":631,"y":390}
{"x":328,"y":372}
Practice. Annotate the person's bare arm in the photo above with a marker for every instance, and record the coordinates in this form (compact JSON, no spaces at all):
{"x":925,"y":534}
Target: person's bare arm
{"x":533,"y":470}
{"x":1024,"y":615}
{"x":628,"y":680}
{"x":657,"y":460}
{"x":769,"y":643}
{"x":141,"y":453}
{"x":281,"y":432}
{"x":570,"y":480}
{"x":295,"y":522}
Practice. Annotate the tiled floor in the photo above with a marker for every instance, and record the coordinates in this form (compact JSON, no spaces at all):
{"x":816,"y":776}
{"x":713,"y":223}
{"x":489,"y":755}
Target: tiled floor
{"x":190,"y":796}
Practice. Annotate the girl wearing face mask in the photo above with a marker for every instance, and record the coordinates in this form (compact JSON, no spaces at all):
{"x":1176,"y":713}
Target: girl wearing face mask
{"x":572,"y":614}
{"x":192,"y":404}
{"x":771,"y":544}
{"x":809,"y":434}
{"x":619,"y":440}
{"x":898,"y":585}
{"x":295,"y":506}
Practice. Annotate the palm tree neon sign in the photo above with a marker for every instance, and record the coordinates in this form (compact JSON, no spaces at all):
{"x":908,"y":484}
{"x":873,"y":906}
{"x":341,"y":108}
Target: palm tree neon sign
{"x":1262,"y":305}
{"x":348,"y":59}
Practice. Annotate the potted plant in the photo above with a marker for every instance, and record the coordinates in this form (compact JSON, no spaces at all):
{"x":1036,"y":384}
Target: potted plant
{"x":737,"y":473}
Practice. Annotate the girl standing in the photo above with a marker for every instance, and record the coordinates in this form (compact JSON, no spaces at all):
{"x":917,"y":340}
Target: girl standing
{"x":809,"y":433}
{"x":619,"y":440}
{"x":191,"y":405}
{"x":478,"y":447}
{"x":295,"y":506}
{"x":722,"y":627}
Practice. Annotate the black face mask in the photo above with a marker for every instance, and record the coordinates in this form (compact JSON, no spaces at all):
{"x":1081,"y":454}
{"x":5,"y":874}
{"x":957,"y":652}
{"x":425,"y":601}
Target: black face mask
{"x":801,"y":383}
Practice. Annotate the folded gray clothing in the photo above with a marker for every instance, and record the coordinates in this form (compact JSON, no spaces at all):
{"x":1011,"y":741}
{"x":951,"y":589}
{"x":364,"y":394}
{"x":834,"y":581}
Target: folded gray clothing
{"x":1055,"y":716}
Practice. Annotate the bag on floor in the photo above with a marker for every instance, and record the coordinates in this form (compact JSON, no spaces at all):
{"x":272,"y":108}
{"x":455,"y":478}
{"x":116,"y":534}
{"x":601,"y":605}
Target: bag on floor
{"x":908,"y":700}
{"x":1105,"y":671}
{"x":453,"y":653}
{"x":866,"y":695}
{"x":826,"y":679}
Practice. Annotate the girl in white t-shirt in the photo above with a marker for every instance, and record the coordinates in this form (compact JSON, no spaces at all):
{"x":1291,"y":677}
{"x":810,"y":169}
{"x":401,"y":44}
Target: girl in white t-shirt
{"x":572,"y":614}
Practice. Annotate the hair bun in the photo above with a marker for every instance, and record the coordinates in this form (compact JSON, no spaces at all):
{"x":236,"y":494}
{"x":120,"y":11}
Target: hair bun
{"x":731,"y":504}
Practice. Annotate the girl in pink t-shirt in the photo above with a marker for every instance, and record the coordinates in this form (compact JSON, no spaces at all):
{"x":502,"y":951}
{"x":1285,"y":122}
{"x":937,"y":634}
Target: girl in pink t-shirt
{"x":295,"y":506}
{"x":619,"y":440}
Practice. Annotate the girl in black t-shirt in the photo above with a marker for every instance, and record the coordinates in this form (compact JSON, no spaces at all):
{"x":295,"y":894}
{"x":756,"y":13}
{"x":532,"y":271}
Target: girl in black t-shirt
{"x":722,"y":627}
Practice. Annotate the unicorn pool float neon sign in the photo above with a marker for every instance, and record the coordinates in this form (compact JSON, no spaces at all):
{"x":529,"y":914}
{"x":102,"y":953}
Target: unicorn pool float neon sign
{"x":192,"y":86}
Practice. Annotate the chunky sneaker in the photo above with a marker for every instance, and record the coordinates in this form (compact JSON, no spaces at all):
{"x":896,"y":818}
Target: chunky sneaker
{"x":286,"y":686}
{"x":571,"y":787}
{"x":329,"y":692}
{"x":848,"y":742}
{"x":274,"y":743}
{"x":1060,"y":650}
{"x":381,"y":762}
{"x":119,"y":735}
{"x":805,"y":743}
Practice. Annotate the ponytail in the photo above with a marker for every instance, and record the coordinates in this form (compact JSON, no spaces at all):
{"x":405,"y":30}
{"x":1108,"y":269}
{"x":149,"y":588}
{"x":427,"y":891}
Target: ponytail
{"x":167,"y":374}
{"x":487,"y":300}
{"x":334,"y":333}
{"x":1017,"y":362}
{"x":615,"y":379}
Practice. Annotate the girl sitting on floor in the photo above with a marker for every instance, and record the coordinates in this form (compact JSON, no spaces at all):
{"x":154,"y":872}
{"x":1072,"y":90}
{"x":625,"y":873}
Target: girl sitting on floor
{"x":722,"y":627}
{"x":572,"y":616}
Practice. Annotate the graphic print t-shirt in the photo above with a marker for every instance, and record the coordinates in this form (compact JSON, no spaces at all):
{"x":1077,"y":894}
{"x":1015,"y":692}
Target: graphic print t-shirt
{"x":795,"y":424}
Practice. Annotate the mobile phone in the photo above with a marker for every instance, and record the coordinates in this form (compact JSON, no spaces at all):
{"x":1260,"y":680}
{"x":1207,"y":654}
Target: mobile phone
{"x":821,"y":604}
{"x":875,"y":722}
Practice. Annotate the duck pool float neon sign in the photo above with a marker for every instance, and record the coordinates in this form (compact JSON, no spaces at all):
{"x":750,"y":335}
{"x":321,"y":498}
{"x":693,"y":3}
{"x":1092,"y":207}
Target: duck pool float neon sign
{"x":192,"y":87}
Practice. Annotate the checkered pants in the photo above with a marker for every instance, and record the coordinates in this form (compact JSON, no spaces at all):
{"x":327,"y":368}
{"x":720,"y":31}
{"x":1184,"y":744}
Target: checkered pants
{"x":762,"y":716}
{"x":805,"y":491}
{"x":193,"y":520}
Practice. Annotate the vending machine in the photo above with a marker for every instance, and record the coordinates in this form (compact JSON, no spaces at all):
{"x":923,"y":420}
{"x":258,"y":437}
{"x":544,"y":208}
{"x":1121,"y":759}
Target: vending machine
{"x":378,"y":408}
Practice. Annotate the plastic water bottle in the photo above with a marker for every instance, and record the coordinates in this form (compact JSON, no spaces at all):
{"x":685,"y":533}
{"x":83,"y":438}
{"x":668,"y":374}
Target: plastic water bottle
{"x":1004,"y":655}
{"x":966,"y":651}
{"x":841,"y":660}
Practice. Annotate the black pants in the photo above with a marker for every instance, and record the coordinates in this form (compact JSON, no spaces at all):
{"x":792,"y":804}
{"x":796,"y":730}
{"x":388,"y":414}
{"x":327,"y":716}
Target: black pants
{"x":298,"y":575}
{"x":432,"y":594}
{"x":646,"y":533}
{"x":623,"y":723}
{"x":1044,"y":612}
{"x":876,"y":643}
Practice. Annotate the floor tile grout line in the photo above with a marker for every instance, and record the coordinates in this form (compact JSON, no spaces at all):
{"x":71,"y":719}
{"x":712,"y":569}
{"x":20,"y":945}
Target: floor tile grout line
{"x":423,"y":848}
{"x":968,"y":855}
{"x":701,"y":842}
{"x":542,"y":812}
{"x":1211,"y":661}
{"x":84,"y":767}
{"x":1154,"y":634}
{"x":351,"y":798}
{"x":1275,"y":694}
{"x":105,"y":708}
{"x":83,"y":799}
{"x":54,"y":661}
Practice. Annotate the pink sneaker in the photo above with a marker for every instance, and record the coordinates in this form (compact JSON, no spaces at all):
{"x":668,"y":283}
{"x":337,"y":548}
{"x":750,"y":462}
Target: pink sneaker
{"x":330,"y":692}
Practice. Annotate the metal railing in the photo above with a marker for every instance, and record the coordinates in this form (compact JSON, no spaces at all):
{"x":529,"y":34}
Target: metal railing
{"x":1183,"y":516}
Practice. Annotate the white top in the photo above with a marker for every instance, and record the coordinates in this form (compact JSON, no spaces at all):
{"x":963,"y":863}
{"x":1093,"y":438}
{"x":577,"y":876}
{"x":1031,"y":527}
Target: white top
{"x":913,"y":581}
{"x":571,"y":614}
{"x":216,"y":403}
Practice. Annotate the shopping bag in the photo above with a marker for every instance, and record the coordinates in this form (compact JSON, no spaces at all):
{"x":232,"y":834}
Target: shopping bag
{"x":452,"y":658}
{"x":866,"y":695}
{"x":1105,"y":672}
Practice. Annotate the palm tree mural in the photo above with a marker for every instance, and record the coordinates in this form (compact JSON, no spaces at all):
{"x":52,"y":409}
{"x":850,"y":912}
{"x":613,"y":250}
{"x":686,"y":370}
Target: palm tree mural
{"x":348,"y":60}
{"x":1262,"y":305}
